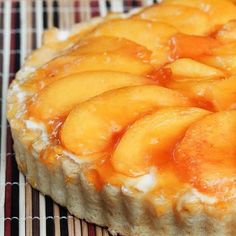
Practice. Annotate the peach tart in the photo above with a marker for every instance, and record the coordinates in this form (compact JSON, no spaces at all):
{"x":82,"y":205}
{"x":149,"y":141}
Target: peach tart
{"x":129,"y":121}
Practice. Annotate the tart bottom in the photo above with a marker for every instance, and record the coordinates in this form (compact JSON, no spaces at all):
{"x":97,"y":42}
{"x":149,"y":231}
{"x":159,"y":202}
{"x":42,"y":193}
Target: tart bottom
{"x":119,"y":209}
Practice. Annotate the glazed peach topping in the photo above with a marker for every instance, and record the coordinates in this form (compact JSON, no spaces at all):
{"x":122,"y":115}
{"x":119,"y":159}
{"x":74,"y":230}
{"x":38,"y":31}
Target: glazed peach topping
{"x":154,"y":90}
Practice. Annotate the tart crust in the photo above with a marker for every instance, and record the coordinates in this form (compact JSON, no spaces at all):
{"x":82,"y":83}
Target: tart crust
{"x":131,"y":213}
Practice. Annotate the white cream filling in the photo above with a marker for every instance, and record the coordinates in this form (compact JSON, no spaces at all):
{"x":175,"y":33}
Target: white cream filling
{"x":38,"y":126}
{"x":16,"y":96}
{"x":144,"y":183}
{"x":194,"y":196}
{"x":28,"y":69}
{"x":24,"y":73}
{"x":32,"y":125}
{"x":75,"y":158}
{"x":203,"y":197}
{"x":15,"y":90}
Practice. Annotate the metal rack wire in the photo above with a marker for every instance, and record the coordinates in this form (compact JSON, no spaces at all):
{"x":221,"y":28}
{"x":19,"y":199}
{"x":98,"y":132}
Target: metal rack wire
{"x":23,"y":210}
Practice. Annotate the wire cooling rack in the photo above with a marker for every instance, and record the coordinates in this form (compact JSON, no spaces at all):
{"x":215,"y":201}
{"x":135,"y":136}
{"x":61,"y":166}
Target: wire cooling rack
{"x":23,"y":210}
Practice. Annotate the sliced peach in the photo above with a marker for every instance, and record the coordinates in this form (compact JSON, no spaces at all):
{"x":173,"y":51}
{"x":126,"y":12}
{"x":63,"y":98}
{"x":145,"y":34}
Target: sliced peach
{"x":227,"y":33}
{"x":222,"y":93}
{"x":57,"y":99}
{"x":116,"y":45}
{"x":195,"y":90}
{"x":225,"y":49}
{"x":151,"y":140}
{"x":225,"y":63}
{"x":192,"y":88}
{"x":154,"y":35}
{"x":206,"y":155}
{"x":186,"y":67}
{"x":186,"y":19}
{"x":220,"y":11}
{"x":215,"y":95}
{"x":102,"y":119}
{"x":66,"y":65}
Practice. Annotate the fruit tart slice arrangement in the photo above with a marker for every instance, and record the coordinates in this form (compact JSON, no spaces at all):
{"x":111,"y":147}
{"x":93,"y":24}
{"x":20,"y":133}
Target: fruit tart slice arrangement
{"x":129,"y":121}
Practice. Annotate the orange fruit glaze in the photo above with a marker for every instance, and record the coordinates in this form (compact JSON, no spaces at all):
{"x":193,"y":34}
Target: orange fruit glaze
{"x":103,"y":54}
{"x":191,"y":46}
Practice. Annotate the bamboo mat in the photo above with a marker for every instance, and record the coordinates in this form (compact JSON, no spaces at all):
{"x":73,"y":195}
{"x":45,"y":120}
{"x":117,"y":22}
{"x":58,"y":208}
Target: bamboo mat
{"x":23,"y":210}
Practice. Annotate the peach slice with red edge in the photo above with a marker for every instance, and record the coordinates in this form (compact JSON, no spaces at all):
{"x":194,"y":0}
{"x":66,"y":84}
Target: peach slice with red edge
{"x":150,"y":141}
{"x":103,"y":44}
{"x":90,"y":62}
{"x":154,"y":36}
{"x":134,"y":60}
{"x":227,"y":33}
{"x":102,"y":119}
{"x":186,"y":67}
{"x":58,"y":98}
{"x":220,"y":11}
{"x":211,"y":94}
{"x":206,"y":155}
{"x":195,"y":90}
{"x":226,"y":63}
{"x":222,"y":93}
{"x":225,"y":49}
{"x":191,"y":88}
{"x":185,"y":19}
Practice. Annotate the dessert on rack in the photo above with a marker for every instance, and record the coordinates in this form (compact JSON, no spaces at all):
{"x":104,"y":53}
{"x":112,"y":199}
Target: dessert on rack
{"x":129,"y":121}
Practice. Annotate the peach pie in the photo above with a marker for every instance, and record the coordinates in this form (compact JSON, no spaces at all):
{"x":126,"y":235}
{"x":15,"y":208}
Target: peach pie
{"x":129,"y":121}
